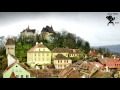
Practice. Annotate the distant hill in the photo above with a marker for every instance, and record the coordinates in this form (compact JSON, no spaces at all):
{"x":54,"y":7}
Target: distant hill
{"x":113,"y":48}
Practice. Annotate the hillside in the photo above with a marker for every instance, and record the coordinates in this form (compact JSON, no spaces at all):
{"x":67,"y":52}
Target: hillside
{"x":113,"y":48}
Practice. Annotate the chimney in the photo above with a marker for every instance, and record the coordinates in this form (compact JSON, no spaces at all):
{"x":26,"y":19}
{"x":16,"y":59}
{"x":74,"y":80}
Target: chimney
{"x":102,"y":56}
{"x":41,"y":42}
{"x":36,"y":43}
{"x":114,"y":57}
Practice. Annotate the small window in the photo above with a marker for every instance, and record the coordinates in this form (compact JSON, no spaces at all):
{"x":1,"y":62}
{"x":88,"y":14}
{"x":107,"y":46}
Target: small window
{"x":39,"y":49}
{"x":20,"y":70}
{"x":21,"y":76}
{"x":43,"y":49}
{"x":27,"y":76}
{"x":17,"y":76}
{"x":16,"y":70}
{"x":35,"y":54}
{"x":16,"y":66}
{"x":38,"y":54}
{"x":42,"y":54}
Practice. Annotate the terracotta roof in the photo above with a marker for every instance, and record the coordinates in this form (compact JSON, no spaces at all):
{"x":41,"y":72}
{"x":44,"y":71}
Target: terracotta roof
{"x":12,"y":75}
{"x":10,"y":42}
{"x":74,"y":51}
{"x":37,"y":46}
{"x":106,"y":59}
{"x":93,"y":53}
{"x":75,"y":74}
{"x":61,"y":57}
{"x":60,"y":50}
{"x":65,"y":72}
{"x":87,"y":66}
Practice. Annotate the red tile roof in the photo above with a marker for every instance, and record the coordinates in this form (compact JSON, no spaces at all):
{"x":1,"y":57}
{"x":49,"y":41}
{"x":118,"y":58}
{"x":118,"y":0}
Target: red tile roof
{"x":93,"y":53}
{"x":60,"y":50}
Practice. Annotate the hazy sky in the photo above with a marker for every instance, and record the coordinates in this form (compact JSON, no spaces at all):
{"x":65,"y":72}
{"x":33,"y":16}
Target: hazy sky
{"x":91,"y":26}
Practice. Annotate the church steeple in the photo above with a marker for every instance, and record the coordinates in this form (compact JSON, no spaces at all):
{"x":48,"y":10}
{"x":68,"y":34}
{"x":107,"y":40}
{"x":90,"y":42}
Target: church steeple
{"x":28,"y":27}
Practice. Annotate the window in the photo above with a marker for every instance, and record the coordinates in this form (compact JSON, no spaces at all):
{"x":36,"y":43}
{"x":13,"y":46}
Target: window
{"x":16,"y":70}
{"x":42,"y":54}
{"x":35,"y":54}
{"x":43,"y":49}
{"x":21,"y":76}
{"x":20,"y":70}
{"x":27,"y":76}
{"x":39,"y":49}
{"x":16,"y":66}
{"x":47,"y":54}
{"x":38,"y":54}
{"x":17,"y":76}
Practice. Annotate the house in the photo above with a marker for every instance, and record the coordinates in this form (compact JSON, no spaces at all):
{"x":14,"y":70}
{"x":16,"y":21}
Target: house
{"x":113,"y":63}
{"x":10,"y":46}
{"x":28,"y":34}
{"x":93,"y":53}
{"x":88,"y":69}
{"x":46,"y":33}
{"x":61,"y":62}
{"x":39,"y":55}
{"x":74,"y":52}
{"x":63,"y":51}
{"x":16,"y":70}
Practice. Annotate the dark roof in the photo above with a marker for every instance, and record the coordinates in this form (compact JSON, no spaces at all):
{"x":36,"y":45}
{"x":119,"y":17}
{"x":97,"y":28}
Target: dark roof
{"x":60,"y":57}
{"x":10,"y":42}
{"x":28,"y":30}
{"x":48,"y":29}
{"x":60,"y":50}
{"x":74,"y":51}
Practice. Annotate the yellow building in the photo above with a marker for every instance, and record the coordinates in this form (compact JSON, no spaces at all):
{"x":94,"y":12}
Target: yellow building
{"x":61,"y":62}
{"x":74,"y":52}
{"x":38,"y":55}
{"x":63,"y":51}
{"x":66,"y":52}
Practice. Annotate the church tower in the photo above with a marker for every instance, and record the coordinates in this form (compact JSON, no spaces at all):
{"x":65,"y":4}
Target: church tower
{"x":10,"y":47}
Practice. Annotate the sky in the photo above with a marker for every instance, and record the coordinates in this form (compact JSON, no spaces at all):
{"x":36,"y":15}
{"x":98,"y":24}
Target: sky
{"x":90,"y":26}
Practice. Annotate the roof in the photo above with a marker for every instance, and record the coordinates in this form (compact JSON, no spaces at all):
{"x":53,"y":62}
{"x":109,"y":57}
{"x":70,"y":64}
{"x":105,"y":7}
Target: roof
{"x":28,"y":30}
{"x":23,"y":66}
{"x":106,"y":59}
{"x":61,"y":57}
{"x":60,"y":50}
{"x":48,"y":29}
{"x":12,"y":75}
{"x":40,"y":45}
{"x":74,"y":51}
{"x":87,"y":66}
{"x":93,"y":53}
{"x":10,"y":42}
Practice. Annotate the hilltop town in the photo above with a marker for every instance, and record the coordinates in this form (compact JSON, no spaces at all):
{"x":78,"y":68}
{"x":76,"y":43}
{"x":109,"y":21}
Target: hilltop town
{"x":52,"y":54}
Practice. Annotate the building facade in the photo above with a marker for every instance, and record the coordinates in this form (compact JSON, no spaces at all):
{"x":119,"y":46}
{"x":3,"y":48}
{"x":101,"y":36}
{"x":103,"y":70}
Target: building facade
{"x":10,"y":47}
{"x":61,"y":62}
{"x":38,"y":55}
